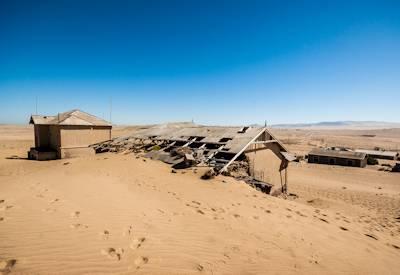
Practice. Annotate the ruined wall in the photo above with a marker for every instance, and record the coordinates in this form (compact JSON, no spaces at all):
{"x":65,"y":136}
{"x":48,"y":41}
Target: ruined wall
{"x":76,"y":152}
{"x":83,"y":136}
{"x":267,"y":164}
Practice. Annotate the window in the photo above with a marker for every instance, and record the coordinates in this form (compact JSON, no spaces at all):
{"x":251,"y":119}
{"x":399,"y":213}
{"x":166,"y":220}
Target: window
{"x":225,"y":139}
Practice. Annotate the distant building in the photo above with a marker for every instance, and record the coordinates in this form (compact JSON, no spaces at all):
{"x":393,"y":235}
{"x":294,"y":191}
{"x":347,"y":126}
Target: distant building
{"x":337,"y":157}
{"x":380,"y":154}
{"x":67,"y":134}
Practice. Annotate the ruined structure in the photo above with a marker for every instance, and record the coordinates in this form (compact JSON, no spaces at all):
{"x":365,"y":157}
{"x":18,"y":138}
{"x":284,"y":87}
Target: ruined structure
{"x":67,"y":134}
{"x":249,"y":153}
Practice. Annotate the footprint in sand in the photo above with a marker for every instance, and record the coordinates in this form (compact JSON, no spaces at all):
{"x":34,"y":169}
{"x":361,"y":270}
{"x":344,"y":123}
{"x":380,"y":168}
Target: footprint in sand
{"x":300,"y":214}
{"x":75,"y":214}
{"x":49,"y":210}
{"x":139,"y":261}
{"x":136,"y":243}
{"x":104,"y":234}
{"x":78,"y":225}
{"x":7,"y":265}
{"x":113,"y":253}
{"x":127,"y":231}
{"x":323,"y":220}
{"x":371,"y":236}
{"x":6,"y":207}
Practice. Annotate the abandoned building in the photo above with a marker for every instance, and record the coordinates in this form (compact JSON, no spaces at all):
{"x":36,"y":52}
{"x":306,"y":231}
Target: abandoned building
{"x":337,"y":157}
{"x":253,"y":149}
{"x":378,"y":154}
{"x":67,"y":134}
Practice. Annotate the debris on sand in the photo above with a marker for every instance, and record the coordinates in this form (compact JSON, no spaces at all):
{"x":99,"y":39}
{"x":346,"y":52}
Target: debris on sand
{"x":396,"y":168}
{"x":7,"y":265}
{"x":209,"y":174}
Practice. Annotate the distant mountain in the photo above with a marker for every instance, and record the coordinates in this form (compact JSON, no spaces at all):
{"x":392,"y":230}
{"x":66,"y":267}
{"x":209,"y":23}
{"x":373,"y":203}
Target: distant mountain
{"x":342,"y":125}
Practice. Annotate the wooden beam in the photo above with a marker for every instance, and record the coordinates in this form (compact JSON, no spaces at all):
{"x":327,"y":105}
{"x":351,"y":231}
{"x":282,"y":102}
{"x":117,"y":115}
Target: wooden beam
{"x":264,"y":141}
{"x":243,"y":149}
{"x":169,"y":146}
{"x":214,"y":153}
{"x":188,"y":143}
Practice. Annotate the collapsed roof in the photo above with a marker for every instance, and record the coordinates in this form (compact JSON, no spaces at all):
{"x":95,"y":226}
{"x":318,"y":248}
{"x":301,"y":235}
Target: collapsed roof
{"x":220,"y":146}
{"x":74,"y":117}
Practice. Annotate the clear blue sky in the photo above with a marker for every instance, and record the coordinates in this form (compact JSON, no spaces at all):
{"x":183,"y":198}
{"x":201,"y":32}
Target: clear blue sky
{"x":217,"y":62}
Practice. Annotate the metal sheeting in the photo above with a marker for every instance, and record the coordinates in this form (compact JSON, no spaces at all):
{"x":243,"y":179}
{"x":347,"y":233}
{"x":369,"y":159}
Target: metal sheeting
{"x":230,"y":136}
{"x":74,"y":117}
{"x":378,"y":153}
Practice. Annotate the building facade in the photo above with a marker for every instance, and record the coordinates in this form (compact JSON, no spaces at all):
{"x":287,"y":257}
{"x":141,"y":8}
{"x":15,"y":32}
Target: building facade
{"x":337,"y":157}
{"x":67,"y":135}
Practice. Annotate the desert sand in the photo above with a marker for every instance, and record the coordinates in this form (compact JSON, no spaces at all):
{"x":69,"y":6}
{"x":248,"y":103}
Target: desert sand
{"x":115,"y":213}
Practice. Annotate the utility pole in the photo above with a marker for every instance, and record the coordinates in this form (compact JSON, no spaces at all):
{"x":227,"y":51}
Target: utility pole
{"x":110,"y":109}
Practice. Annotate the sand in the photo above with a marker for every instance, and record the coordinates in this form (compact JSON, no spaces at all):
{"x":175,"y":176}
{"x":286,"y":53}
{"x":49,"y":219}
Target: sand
{"x":118,"y":214}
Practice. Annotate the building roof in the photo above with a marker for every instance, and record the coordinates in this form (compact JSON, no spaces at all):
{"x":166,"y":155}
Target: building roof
{"x":234,"y":139}
{"x":73,"y":117}
{"x":337,"y":153}
{"x":378,"y":153}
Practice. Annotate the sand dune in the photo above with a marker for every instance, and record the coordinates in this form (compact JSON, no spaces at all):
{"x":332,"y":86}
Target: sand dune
{"x":115,"y":213}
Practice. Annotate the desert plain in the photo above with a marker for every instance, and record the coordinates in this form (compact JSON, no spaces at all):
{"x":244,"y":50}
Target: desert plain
{"x":123,"y":214}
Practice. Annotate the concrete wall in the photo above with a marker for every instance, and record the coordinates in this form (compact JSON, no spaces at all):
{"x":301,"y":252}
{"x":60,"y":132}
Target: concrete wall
{"x":267,"y":164}
{"x":81,"y":136}
{"x":76,"y":152}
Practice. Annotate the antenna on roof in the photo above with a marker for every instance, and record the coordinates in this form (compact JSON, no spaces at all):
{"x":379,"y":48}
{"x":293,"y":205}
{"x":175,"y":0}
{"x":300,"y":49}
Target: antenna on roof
{"x":110,"y":109}
{"x":265,"y":123}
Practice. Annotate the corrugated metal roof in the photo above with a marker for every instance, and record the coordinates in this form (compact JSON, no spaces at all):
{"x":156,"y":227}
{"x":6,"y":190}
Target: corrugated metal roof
{"x":378,"y":153}
{"x":234,"y":138}
{"x":337,"y":154}
{"x":74,"y":117}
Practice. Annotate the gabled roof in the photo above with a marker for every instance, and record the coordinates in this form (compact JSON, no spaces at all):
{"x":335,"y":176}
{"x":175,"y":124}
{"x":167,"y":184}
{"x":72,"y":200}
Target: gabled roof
{"x":337,"y":153}
{"x":74,"y":117}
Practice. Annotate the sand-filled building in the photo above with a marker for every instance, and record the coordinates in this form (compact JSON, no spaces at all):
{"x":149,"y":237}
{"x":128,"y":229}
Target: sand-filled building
{"x":265,"y":157}
{"x":67,"y":134}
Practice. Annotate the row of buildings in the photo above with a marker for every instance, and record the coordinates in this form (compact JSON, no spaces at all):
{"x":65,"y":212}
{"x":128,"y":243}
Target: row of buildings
{"x":346,"y":157}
